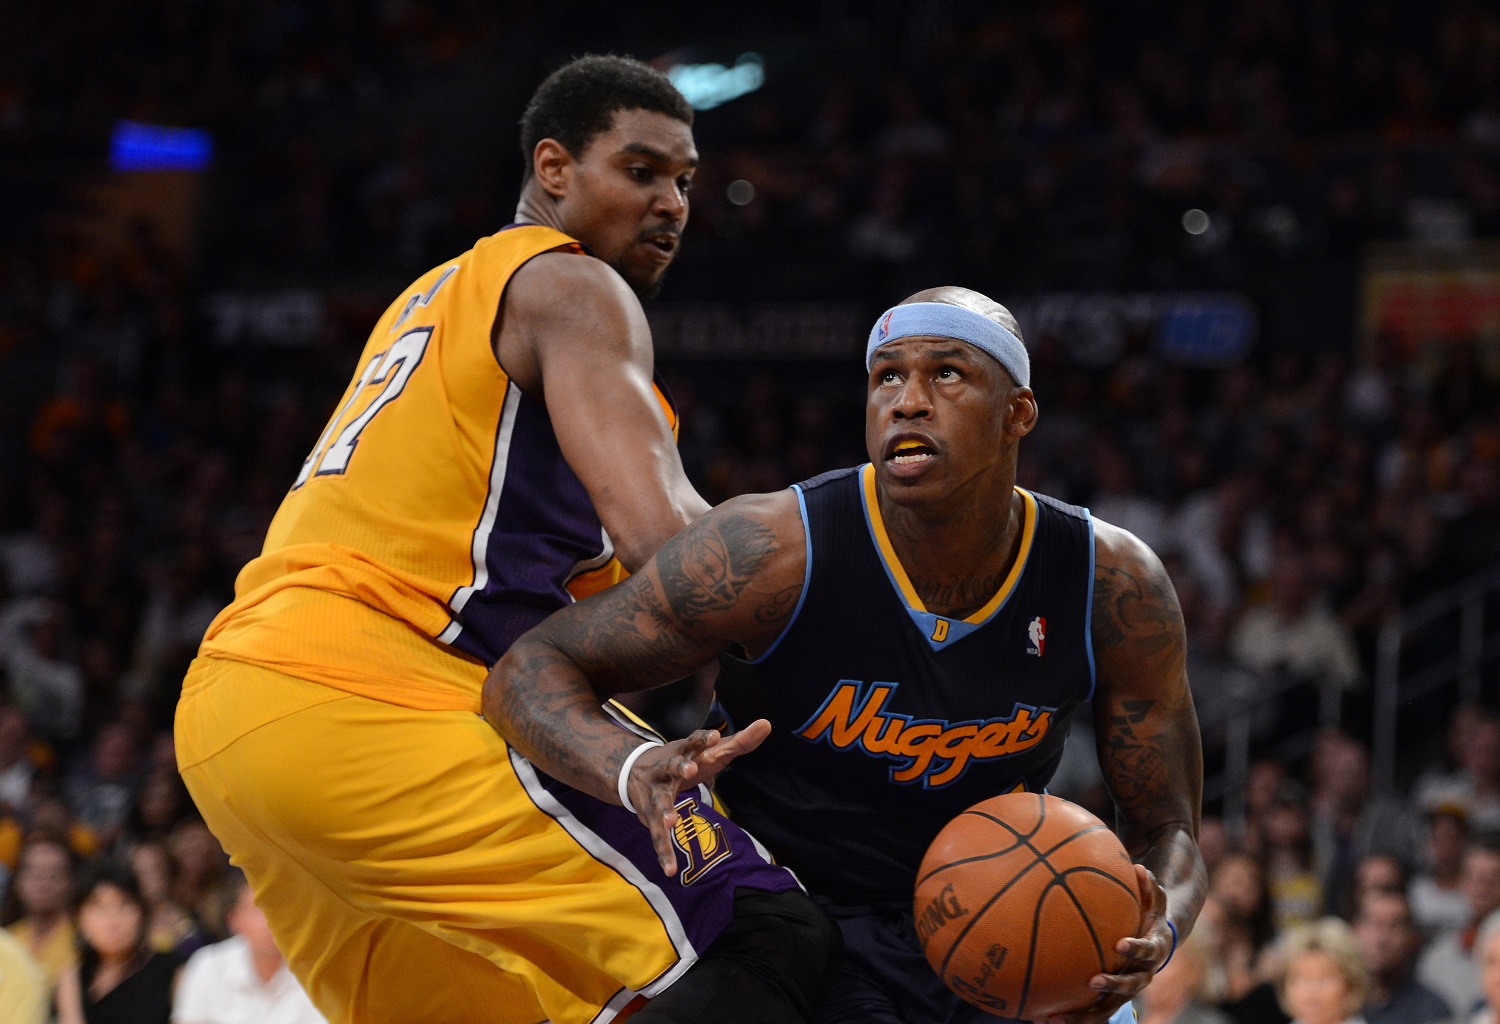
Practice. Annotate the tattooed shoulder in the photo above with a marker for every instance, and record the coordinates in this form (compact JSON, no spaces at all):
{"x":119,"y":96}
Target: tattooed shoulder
{"x":1134,"y":603}
{"x":730,"y":560}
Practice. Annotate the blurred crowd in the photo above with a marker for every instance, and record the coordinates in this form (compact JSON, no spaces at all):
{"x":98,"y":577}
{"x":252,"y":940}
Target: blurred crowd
{"x":1331,"y":906}
{"x":1299,"y":499}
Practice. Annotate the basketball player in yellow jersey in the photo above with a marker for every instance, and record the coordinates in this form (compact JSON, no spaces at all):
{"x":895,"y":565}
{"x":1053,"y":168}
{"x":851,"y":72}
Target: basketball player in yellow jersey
{"x":501,"y":449}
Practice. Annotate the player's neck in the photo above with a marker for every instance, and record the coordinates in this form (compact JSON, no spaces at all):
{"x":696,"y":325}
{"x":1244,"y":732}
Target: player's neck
{"x":537,"y":207}
{"x":952,"y":555}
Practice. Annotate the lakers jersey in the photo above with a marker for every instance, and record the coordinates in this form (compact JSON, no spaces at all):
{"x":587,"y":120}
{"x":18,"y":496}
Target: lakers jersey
{"x":435,"y":519}
{"x":888,"y":720}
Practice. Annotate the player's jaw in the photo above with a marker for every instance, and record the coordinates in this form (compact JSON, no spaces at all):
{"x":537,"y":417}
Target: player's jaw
{"x":644,"y":260}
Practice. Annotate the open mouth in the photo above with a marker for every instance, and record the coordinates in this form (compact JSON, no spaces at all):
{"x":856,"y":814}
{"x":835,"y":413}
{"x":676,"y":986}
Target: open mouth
{"x":910,"y":452}
{"x":665,"y":243}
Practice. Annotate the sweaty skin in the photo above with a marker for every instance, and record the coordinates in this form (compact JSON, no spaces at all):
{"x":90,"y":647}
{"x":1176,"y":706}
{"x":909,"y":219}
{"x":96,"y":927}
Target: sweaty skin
{"x":942,"y":428}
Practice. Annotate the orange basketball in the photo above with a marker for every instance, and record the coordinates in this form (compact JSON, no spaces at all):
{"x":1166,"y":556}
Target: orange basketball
{"x":1020,"y":901}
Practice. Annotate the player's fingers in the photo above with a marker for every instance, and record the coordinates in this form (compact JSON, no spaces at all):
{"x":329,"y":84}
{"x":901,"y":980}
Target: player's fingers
{"x":695,"y":743}
{"x":1147,"y":953}
{"x":742,"y":742}
{"x":655,"y":781}
{"x":1125,"y":984}
{"x":661,"y":825}
{"x":1153,"y":896}
{"x":1145,"y":946}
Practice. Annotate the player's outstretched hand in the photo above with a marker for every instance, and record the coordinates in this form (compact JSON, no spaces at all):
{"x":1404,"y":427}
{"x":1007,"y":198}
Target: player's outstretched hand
{"x":658,"y":775}
{"x":1144,"y":955}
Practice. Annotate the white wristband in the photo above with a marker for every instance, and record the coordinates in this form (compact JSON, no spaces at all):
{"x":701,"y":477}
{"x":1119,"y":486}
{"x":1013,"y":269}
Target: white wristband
{"x":622,"y":785}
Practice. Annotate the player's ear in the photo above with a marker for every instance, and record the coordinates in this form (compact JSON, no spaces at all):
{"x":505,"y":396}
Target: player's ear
{"x":1020,"y":412}
{"x":552,"y":165}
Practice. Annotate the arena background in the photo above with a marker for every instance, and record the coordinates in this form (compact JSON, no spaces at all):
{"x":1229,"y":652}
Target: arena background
{"x":1253,"y":248}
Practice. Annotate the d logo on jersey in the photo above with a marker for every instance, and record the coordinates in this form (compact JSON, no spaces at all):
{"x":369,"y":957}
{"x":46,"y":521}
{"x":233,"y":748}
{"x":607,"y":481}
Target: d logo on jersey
{"x":931,"y":750}
{"x":702,"y":840}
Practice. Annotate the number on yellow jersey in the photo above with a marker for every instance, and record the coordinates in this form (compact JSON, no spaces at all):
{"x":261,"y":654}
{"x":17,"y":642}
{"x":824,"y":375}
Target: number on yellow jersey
{"x":393,"y":368}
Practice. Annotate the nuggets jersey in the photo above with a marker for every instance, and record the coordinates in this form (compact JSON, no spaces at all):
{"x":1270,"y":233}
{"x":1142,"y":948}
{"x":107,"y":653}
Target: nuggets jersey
{"x":435,"y":519}
{"x":890,"y":720}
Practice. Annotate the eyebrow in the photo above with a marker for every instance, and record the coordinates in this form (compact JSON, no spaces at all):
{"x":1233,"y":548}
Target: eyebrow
{"x":652,"y":153}
{"x":959,"y":352}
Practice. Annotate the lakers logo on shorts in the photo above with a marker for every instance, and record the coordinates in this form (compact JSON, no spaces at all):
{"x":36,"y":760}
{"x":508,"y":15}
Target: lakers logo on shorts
{"x":702,"y":840}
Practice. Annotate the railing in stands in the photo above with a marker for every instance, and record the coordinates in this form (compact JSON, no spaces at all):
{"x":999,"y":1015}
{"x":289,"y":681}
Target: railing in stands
{"x":1463,"y":646}
{"x":1471,"y":602}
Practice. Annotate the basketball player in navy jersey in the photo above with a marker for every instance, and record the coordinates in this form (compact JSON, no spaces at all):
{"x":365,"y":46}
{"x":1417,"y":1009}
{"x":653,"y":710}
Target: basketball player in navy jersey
{"x":919,"y":632}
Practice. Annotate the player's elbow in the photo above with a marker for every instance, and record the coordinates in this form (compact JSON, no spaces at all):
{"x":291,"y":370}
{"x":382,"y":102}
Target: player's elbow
{"x":635,"y":546}
{"x":514,"y":682}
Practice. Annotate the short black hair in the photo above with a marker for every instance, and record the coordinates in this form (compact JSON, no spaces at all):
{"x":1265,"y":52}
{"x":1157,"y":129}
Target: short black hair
{"x":111,"y":872}
{"x":578,"y":101}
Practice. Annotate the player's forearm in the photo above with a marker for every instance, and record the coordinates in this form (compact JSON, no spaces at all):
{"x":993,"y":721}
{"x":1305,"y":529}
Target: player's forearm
{"x":1173,"y":858}
{"x":539,"y":700}
{"x":643,"y":529}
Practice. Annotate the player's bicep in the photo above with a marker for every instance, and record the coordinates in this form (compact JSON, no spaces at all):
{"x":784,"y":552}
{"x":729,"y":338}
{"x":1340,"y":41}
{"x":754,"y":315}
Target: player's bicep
{"x":725,"y":581}
{"x":1149,"y":746}
{"x":593,"y":352}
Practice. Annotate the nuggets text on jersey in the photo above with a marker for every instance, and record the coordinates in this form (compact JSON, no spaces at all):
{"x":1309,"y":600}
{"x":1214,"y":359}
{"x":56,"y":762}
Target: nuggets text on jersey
{"x":935,"y":751}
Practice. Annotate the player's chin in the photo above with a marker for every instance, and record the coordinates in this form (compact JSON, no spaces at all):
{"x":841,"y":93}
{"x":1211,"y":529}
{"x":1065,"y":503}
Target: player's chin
{"x":645,"y":282}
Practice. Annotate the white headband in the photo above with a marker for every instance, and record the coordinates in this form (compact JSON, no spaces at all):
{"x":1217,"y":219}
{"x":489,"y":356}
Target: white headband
{"x":941,"y":320}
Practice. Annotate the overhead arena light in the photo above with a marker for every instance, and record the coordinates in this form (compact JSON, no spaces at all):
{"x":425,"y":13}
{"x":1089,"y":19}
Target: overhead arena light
{"x":152,"y":147}
{"x":706,"y":86}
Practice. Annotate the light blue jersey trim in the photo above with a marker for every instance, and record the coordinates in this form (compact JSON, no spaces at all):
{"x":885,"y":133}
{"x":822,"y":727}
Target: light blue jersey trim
{"x":1088,"y":624}
{"x":806,"y":579}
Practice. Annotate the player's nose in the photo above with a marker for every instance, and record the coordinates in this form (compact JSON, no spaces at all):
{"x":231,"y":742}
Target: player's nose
{"x":670,"y":202}
{"x":912,"y":402}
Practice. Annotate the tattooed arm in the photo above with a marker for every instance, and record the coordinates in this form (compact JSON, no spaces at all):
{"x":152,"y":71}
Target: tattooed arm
{"x":1149,"y":748}
{"x":732,"y":577}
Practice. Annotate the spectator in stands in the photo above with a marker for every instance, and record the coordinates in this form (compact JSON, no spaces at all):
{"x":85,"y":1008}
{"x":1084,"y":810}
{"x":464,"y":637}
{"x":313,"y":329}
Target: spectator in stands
{"x":244,"y":979}
{"x":1476,"y":785}
{"x":1447,"y":966}
{"x":1487,"y":958}
{"x":1349,"y":824}
{"x":1375,"y":874}
{"x":1438,"y":903}
{"x":43,"y":887}
{"x":1213,"y":842}
{"x":24,"y":992}
{"x":16,"y":772}
{"x":118,"y":978}
{"x":169,"y":928}
{"x":1239,"y":907}
{"x":162,"y":802}
{"x":1324,"y":980}
{"x":1435,"y":784}
{"x":32,"y":558}
{"x":44,"y":682}
{"x":1182,"y":991}
{"x":51,"y":817}
{"x":1294,"y":637}
{"x":16,"y":767}
{"x":102,"y":793}
{"x":1388,"y":943}
{"x":1297,"y":895}
{"x":199,"y":866}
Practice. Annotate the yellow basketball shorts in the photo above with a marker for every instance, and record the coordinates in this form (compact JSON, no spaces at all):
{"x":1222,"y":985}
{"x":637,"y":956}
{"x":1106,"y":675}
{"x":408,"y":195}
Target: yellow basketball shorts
{"x":414,"y":868}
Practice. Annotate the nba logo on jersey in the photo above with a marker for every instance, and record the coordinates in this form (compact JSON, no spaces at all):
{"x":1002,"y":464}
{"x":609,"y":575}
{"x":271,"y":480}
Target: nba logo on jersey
{"x":885,"y":326}
{"x":1037,"y":634}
